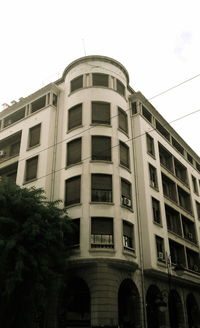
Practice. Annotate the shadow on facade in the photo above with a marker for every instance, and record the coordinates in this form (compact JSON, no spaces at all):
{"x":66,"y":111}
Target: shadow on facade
{"x":75,"y":305}
{"x":129,"y":311}
{"x":193,"y":313}
{"x":176,"y":313}
{"x":155,"y":318}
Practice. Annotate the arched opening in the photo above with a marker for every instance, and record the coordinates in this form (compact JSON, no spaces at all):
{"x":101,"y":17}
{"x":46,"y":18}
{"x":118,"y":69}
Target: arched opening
{"x":176,"y":315}
{"x":193,"y":313}
{"x":129,"y":305}
{"x":75,"y":305}
{"x":154,"y":316}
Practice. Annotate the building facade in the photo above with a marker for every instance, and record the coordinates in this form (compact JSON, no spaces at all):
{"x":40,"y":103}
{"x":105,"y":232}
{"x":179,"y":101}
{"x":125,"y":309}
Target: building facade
{"x":131,"y":186}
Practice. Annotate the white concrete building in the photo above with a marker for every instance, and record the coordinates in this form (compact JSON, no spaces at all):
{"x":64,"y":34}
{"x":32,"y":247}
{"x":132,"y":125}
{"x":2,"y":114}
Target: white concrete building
{"x":132,"y":187}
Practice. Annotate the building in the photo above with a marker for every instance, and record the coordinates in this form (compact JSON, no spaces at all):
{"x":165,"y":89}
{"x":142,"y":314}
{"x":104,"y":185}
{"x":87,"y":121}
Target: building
{"x":132,"y":187}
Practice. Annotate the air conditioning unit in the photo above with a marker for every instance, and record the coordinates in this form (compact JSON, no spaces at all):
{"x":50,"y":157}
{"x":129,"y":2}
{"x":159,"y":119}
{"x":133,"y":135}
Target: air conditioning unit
{"x":160,"y":255}
{"x":126,"y":201}
{"x":2,"y":152}
{"x":195,"y":267}
{"x":190,"y":235}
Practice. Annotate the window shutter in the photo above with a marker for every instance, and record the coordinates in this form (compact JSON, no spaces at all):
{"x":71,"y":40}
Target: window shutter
{"x":100,"y":113}
{"x":128,"y":229}
{"x":74,"y":151}
{"x":31,"y":168}
{"x":101,"y":181}
{"x":126,"y":189}
{"x":75,"y":116}
{"x":34,"y":135}
{"x":72,"y":192}
{"x":102,"y":226}
{"x":101,"y":148}
{"x":124,"y":155}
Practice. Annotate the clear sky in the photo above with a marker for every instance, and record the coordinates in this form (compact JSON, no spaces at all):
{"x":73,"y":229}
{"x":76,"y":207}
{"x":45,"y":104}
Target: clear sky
{"x":157,"y":41}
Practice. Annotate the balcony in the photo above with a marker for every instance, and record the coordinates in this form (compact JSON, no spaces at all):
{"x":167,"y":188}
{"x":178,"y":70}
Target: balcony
{"x":10,"y":172}
{"x":10,"y":147}
{"x":189,"y":230}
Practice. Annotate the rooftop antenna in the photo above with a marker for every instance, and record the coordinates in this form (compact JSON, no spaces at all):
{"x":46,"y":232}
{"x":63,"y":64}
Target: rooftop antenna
{"x":83,"y":41}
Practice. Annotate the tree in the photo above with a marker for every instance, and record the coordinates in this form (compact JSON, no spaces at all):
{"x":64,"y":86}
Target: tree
{"x":32,"y":252}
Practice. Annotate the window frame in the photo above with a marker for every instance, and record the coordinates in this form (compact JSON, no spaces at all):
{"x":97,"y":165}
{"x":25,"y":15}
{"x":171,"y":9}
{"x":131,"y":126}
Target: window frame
{"x":127,"y":239}
{"x":150,"y":145}
{"x":153,"y":178}
{"x":29,"y":136}
{"x":100,"y":84}
{"x":159,"y":241}
{"x":102,"y":245}
{"x":154,"y":212}
{"x":109,"y":149}
{"x":123,"y":144}
{"x":69,"y":125}
{"x":74,"y":80}
{"x":75,"y":201}
{"x":68,"y":150}
{"x":27,"y":180}
{"x":122,"y":113}
{"x":126,"y":201}
{"x":94,"y":121}
{"x":108,"y":193}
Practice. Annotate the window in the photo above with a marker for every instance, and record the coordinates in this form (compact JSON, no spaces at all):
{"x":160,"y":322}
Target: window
{"x":160,"y":248}
{"x":197,"y":166}
{"x":31,"y":168}
{"x":124,"y":154}
{"x":188,"y":229}
{"x":18,"y":115}
{"x":177,"y":253}
{"x":14,"y":149}
{"x":122,"y":120}
{"x":126,"y":193}
{"x":77,"y":83}
{"x":128,"y":236}
{"x":194,"y":183}
{"x":99,"y":79}
{"x":102,"y":232}
{"x":180,"y":171}
{"x":193,"y":260}
{"x":101,"y":148}
{"x":198,"y":209}
{"x":72,"y":239}
{"x":150,"y":145}
{"x":184,"y":199}
{"x":156,"y":210}
{"x":153,"y":176}
{"x":74,"y":152}
{"x":38,"y":104}
{"x":190,"y":159}
{"x":120,"y":88}
{"x":166,"y":158}
{"x":173,"y":220}
{"x":34,"y":136}
{"x":101,"y":188}
{"x":162,"y":130}
{"x":146,"y":114}
{"x":134,"y":108}
{"x":100,"y":112}
{"x":177,"y":146}
{"x":75,"y":116}
{"x":169,"y":188}
{"x":55,"y":100}
{"x":72,"y":190}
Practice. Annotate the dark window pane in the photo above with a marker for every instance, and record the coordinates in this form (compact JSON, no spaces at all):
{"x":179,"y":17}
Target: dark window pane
{"x":153,"y":176}
{"x":124,"y":154}
{"x":34,"y":135}
{"x":156,"y":210}
{"x":72,"y":190}
{"x":72,"y":239}
{"x":101,"y":188}
{"x":146,"y":114}
{"x":123,"y":121}
{"x":74,"y":151}
{"x":100,"y":79}
{"x":55,"y":99}
{"x":75,"y":116}
{"x":100,"y":112}
{"x":127,"y":235}
{"x":162,"y":130}
{"x":150,"y":145}
{"x":14,"y":149}
{"x":77,"y":83}
{"x":126,"y":193}
{"x":38,"y":104}
{"x":31,"y":168}
{"x":101,"y":148}
{"x":102,"y":232}
{"x":134,"y":108}
{"x":120,"y":88}
{"x":18,"y":115}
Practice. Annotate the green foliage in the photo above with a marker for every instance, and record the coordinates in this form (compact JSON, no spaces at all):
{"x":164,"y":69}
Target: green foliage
{"x":32,"y":251}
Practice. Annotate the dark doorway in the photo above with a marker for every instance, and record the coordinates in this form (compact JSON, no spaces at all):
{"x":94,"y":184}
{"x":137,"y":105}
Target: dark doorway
{"x":129,"y":315}
{"x":193,"y":313}
{"x":75,"y":305}
{"x":176,"y":315}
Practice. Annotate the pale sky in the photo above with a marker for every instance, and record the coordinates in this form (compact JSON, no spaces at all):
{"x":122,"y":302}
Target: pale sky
{"x":157,"y":41}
